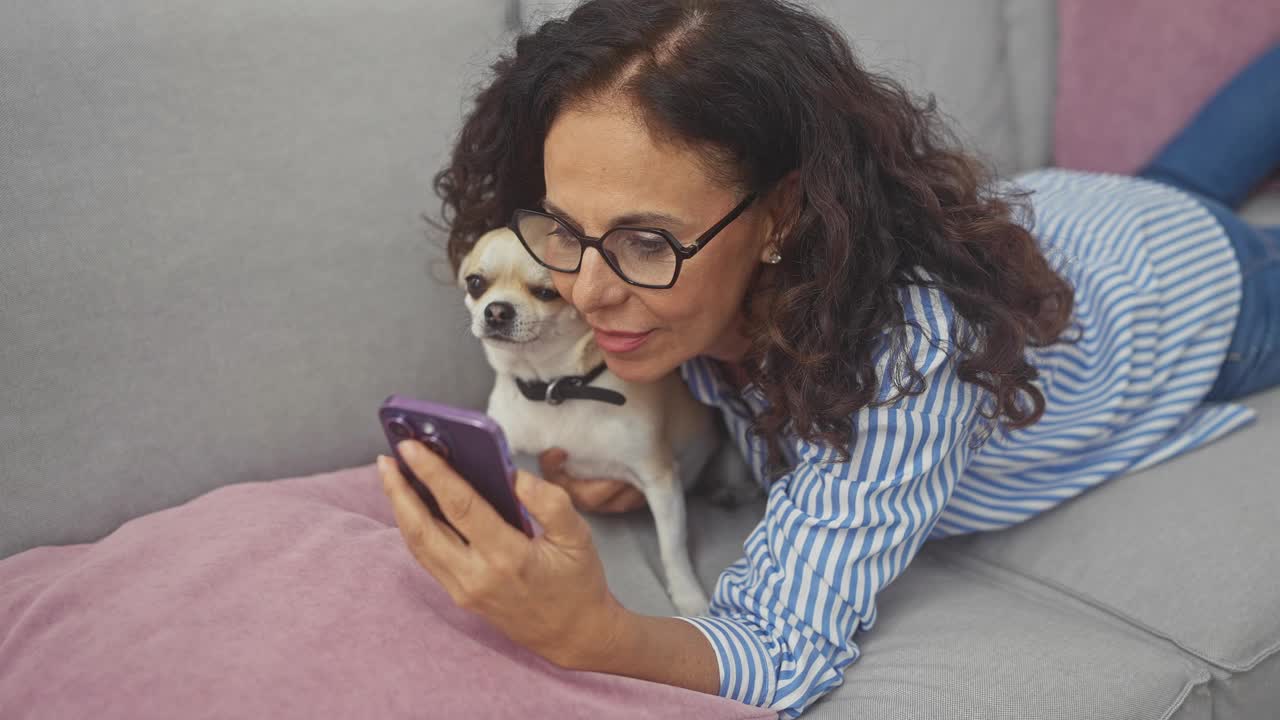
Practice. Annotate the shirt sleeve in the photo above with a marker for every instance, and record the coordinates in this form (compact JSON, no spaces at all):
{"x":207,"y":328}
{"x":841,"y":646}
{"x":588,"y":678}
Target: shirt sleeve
{"x":782,"y":619}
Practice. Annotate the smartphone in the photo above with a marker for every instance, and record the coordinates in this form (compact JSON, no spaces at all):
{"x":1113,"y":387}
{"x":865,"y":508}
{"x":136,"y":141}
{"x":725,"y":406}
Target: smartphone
{"x":471,"y":442}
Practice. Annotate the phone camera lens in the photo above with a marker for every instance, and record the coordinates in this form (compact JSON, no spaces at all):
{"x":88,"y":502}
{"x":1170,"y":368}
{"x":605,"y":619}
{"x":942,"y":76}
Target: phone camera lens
{"x":400,"y":428}
{"x":437,"y":447}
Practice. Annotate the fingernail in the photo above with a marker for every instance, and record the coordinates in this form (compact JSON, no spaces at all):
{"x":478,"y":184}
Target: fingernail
{"x":406,"y":447}
{"x":382,"y":463}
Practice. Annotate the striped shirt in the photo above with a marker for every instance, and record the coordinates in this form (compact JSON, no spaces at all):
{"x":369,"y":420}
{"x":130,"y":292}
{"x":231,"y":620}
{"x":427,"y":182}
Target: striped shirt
{"x":1157,"y":292}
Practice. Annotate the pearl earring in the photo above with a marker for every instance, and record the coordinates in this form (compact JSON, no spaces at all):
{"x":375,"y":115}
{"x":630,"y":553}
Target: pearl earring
{"x":774,"y":257}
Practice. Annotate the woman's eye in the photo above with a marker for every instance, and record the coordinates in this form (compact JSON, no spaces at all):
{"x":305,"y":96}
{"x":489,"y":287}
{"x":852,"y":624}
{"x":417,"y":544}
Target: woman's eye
{"x":545,"y":294}
{"x":562,"y":236}
{"x":645,"y":245}
{"x":476,"y":286}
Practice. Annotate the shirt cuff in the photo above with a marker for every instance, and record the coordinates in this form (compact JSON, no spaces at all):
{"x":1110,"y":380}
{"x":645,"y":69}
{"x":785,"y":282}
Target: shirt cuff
{"x":747,"y":672}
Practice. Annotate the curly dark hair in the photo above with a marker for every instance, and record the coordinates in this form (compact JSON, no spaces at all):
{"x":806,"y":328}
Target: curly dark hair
{"x":764,"y":89}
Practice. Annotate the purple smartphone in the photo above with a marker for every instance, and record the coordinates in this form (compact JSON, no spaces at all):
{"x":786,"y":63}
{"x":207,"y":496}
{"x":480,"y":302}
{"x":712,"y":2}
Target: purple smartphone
{"x":470,"y":441}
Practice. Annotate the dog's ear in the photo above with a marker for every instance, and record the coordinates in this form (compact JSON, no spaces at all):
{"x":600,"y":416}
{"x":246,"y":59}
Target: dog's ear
{"x":464,"y":269}
{"x":468,"y":264}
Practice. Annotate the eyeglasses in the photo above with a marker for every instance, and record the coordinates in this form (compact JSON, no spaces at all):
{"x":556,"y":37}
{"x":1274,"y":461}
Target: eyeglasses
{"x":642,"y":256}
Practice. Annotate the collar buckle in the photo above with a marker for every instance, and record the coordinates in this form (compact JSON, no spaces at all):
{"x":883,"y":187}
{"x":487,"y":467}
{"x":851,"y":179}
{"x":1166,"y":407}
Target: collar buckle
{"x":553,"y":396}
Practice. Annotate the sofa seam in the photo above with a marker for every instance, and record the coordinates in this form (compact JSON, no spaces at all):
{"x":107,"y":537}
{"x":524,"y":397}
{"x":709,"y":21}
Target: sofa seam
{"x":1197,"y":669}
{"x":514,"y":18}
{"x":1186,"y":693}
{"x":1011,"y":90}
{"x":1097,"y":604}
{"x":966,"y":564}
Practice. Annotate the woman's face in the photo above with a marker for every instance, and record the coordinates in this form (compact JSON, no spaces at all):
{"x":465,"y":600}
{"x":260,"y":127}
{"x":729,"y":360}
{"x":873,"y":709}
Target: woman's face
{"x":602,"y":165}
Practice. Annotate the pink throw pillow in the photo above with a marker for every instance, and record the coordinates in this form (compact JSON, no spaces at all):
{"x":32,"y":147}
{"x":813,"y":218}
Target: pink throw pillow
{"x":287,"y":599}
{"x":1131,"y":74}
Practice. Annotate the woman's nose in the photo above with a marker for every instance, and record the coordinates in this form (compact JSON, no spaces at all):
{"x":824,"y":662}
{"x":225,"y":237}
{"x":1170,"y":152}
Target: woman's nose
{"x":596,"y":286}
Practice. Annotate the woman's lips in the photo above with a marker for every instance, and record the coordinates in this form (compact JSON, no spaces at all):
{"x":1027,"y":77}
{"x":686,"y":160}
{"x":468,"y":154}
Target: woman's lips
{"x":619,"y":342}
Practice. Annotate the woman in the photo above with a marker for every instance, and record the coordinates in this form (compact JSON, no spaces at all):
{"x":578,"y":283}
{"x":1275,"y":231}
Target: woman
{"x":895,"y":354}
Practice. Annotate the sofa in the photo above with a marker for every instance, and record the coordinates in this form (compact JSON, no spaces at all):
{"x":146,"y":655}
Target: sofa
{"x":214,"y":267}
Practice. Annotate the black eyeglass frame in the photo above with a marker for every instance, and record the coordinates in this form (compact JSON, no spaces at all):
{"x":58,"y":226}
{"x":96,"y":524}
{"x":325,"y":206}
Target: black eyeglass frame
{"x":683,"y":252}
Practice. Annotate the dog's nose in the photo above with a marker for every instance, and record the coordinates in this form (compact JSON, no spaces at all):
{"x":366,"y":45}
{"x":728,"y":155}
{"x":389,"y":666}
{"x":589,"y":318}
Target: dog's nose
{"x":497,"y":314}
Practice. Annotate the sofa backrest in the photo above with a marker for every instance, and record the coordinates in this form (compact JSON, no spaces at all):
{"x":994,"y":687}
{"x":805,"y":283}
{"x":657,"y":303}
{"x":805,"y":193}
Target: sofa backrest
{"x":213,"y":265}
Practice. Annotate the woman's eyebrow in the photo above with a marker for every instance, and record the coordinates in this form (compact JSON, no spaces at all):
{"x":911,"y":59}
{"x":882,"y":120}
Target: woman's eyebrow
{"x":634,"y":218}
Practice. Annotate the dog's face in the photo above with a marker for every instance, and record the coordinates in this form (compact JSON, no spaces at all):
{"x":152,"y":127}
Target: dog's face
{"x":511,"y":297}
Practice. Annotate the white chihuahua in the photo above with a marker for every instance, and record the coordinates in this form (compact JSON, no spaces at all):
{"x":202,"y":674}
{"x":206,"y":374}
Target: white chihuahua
{"x":553,"y":390}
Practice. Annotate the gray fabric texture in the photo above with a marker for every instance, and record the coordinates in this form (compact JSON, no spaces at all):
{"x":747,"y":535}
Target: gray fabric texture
{"x":950,"y":643}
{"x":1198,"y":705}
{"x":214,"y":264}
{"x":1264,"y":207}
{"x":1252,"y":694}
{"x":1201,"y":568}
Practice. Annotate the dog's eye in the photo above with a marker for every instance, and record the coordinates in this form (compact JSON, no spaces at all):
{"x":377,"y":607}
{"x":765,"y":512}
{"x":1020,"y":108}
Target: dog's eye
{"x":476,"y":285}
{"x":545,"y":294}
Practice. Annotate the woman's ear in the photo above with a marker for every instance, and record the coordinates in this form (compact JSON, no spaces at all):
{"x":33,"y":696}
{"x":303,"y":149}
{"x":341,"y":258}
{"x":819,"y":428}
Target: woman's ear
{"x":782,"y":207}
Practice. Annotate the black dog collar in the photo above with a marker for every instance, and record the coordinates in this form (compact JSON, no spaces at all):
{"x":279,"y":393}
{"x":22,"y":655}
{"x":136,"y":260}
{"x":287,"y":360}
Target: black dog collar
{"x":569,"y":387}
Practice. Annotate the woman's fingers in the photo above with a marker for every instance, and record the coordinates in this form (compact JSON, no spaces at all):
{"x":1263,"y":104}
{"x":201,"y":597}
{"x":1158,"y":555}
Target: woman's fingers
{"x":551,"y":462}
{"x":593,"y":495}
{"x":464,"y":508}
{"x":431,"y":542}
{"x":603,"y":495}
{"x":554,"y":511}
{"x":626,"y":499}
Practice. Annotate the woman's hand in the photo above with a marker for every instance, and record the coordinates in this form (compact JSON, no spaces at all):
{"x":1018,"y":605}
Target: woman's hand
{"x":598,"y":496}
{"x":546,"y":593}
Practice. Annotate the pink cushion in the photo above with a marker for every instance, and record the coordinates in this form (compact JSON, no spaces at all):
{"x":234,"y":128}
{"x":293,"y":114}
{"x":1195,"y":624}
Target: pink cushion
{"x":287,"y":599}
{"x":1132,"y":73}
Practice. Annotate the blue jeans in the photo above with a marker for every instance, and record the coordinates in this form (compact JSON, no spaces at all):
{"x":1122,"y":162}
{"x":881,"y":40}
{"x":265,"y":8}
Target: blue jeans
{"x":1226,"y":150}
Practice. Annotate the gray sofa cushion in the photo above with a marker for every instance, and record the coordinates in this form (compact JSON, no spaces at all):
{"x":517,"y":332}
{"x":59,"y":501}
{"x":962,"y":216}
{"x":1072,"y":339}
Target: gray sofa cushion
{"x":952,"y":643}
{"x":1186,"y":550}
{"x":1263,"y":208}
{"x":214,"y":266}
{"x":1255,"y":694}
{"x":952,"y":640}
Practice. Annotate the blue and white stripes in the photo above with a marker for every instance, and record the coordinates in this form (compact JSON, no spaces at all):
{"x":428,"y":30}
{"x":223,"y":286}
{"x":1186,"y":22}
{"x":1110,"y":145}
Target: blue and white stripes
{"x":1157,"y":295}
